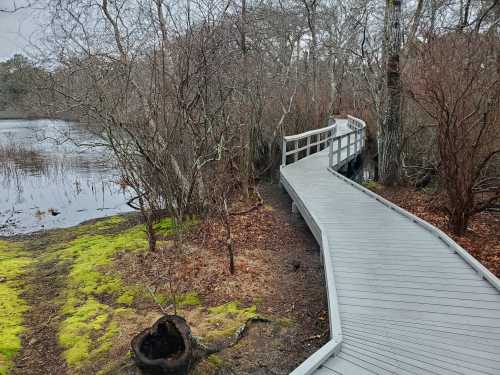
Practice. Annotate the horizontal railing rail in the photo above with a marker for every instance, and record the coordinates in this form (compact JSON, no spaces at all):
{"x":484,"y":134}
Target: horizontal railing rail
{"x":351,"y":143}
{"x":304,"y":144}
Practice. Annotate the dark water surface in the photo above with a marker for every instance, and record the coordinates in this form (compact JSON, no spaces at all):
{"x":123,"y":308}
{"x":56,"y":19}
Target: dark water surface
{"x":48,"y":182}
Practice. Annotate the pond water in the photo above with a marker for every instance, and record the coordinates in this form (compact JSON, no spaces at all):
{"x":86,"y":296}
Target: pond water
{"x":47,"y":181}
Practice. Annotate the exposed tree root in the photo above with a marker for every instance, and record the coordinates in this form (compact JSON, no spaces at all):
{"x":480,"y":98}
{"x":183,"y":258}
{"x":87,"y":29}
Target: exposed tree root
{"x":207,"y":350}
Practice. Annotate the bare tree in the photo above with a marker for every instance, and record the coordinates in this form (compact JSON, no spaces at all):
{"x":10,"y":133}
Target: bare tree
{"x":170,"y":83}
{"x":466,"y":117}
{"x":390,"y":130}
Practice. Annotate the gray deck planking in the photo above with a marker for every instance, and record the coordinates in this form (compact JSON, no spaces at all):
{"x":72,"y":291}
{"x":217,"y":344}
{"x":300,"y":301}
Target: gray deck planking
{"x":408,"y":303}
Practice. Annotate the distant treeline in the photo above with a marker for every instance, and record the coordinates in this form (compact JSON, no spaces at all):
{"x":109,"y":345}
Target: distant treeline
{"x":20,"y":81}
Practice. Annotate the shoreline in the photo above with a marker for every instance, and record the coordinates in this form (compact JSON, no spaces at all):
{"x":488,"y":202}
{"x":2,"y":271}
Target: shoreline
{"x":12,"y":116}
{"x":26,"y":236}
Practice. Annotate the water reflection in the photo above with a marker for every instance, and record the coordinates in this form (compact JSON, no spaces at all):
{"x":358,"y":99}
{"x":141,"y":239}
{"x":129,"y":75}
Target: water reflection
{"x":47,"y":181}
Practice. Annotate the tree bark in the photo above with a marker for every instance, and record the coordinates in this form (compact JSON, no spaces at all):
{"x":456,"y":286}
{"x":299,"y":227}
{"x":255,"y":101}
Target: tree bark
{"x":311,"y":13}
{"x":148,"y":215}
{"x":245,"y":117}
{"x":229,"y":238}
{"x":390,"y":132}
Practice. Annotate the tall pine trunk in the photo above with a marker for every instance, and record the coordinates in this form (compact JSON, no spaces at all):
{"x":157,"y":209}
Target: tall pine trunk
{"x":390,"y":129}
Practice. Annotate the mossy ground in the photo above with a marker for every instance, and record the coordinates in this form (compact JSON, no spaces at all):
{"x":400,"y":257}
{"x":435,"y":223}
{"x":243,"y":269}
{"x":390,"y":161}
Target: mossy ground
{"x":14,"y":263}
{"x":86,"y":291}
{"x":93,"y":298}
{"x":96,"y":298}
{"x":96,"y":302}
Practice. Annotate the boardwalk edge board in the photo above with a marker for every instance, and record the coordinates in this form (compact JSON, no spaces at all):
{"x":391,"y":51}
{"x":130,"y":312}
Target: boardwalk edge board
{"x":332,"y":347}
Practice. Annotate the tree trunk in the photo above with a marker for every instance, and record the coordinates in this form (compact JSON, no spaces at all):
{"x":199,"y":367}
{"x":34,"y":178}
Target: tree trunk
{"x":245,"y":123}
{"x":432,"y":26}
{"x":390,"y":134}
{"x":458,"y":220}
{"x":148,"y":215}
{"x":311,"y":13}
{"x":333,"y":78}
{"x":229,"y":237}
{"x":151,"y":233}
{"x":415,"y":24}
{"x":314,"y":59}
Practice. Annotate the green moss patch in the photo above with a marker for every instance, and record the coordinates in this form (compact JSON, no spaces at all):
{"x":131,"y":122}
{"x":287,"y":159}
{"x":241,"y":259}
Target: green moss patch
{"x":100,"y":225}
{"x":14,"y":263}
{"x":188,"y":299}
{"x":89,"y":331}
{"x":228,"y":318}
{"x":215,"y":361}
{"x":370,"y":184}
{"x":96,"y":298}
{"x":220,"y":322}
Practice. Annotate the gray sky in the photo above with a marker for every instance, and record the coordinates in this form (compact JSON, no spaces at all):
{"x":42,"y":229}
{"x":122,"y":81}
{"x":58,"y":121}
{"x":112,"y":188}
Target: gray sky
{"x":16,"y":29}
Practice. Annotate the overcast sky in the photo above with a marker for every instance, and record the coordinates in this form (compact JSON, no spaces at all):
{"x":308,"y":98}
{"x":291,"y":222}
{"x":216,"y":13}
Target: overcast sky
{"x":16,"y":29}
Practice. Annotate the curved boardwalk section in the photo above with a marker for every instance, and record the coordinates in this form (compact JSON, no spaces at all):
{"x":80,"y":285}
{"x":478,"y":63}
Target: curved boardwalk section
{"x":403,"y":297}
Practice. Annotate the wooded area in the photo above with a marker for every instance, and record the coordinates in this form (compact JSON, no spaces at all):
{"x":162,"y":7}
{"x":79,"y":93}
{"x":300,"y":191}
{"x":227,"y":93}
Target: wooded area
{"x":194,"y":97}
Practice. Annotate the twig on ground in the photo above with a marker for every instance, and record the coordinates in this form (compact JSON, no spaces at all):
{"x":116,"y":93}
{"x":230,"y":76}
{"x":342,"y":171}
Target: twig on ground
{"x":315,"y":337}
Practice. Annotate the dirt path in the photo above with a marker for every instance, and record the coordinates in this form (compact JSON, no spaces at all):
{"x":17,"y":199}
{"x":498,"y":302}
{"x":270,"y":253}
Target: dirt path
{"x":40,"y":353}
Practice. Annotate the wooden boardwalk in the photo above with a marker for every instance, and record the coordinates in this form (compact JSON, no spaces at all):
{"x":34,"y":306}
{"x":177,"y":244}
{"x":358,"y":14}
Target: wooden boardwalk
{"x":403,"y":297}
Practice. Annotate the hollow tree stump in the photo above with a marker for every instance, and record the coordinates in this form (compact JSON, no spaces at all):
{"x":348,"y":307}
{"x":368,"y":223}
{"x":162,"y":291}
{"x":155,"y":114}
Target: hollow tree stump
{"x":167,"y":348}
{"x":164,"y":349}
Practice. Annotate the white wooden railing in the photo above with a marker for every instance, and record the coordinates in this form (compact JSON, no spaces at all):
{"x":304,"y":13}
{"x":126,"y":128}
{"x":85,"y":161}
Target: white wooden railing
{"x":301,"y":145}
{"x":352,"y":142}
{"x":344,"y":144}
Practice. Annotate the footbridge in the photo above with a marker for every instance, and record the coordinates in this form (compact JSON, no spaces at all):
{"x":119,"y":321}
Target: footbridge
{"x":403,"y":297}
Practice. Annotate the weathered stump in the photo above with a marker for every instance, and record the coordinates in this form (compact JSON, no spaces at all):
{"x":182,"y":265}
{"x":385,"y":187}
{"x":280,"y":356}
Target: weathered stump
{"x":164,"y":349}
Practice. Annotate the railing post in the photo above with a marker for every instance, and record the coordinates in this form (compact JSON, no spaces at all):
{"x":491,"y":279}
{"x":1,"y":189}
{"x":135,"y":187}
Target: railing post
{"x":348,"y":145}
{"x":339,"y":148}
{"x":296,"y":154}
{"x":283,"y":153}
{"x":356,"y":142}
{"x":330,"y":151}
{"x":308,"y":145}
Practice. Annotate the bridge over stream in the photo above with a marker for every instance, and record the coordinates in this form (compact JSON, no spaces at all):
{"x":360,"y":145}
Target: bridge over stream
{"x":403,"y":297}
